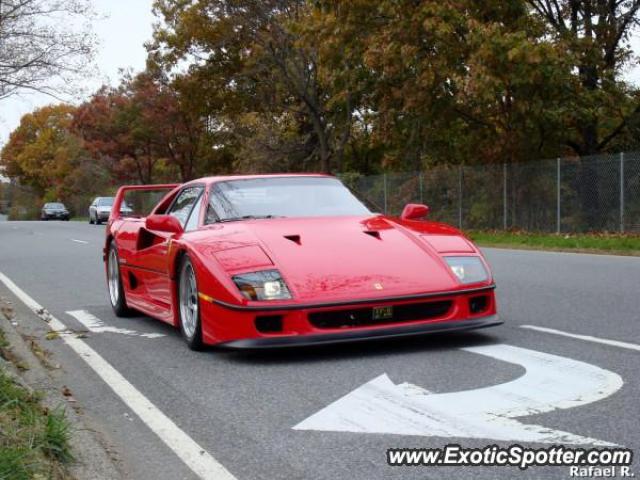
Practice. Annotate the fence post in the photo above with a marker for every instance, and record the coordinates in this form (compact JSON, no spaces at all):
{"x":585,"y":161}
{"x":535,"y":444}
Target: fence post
{"x":384,"y":184}
{"x":460,"y":196}
{"x":558,"y":195}
{"x":504,"y":196}
{"x":621,"y":192}
{"x":421,"y":187}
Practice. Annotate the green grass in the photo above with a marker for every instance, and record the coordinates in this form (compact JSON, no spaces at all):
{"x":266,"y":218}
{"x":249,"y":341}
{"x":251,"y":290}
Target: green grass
{"x":612,"y":243}
{"x":34,"y":441}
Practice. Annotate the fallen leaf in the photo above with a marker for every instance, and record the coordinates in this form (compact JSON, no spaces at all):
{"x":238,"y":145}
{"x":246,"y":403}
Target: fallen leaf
{"x":52,"y":335}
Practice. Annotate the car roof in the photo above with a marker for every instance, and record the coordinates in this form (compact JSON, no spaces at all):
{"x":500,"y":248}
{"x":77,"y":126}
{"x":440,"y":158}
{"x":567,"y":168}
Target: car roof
{"x":224,"y":178}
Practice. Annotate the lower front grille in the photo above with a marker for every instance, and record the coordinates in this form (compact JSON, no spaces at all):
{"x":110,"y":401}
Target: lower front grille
{"x":361,"y":317}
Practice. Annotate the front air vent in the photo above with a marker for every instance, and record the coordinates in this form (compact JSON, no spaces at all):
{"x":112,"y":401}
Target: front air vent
{"x":478,"y":304}
{"x":269,"y":323}
{"x":294,"y":238}
{"x":366,"y":316}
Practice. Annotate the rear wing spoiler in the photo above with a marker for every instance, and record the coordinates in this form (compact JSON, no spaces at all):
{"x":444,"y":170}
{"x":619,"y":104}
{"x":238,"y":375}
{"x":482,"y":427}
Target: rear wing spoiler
{"x":118,"y":204}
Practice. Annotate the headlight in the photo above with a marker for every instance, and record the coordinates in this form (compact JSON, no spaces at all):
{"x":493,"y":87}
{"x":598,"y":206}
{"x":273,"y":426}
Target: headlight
{"x":264,"y":285}
{"x":467,"y":269}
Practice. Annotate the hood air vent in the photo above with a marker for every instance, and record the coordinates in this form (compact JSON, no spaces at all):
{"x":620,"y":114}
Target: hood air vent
{"x":294,"y":239}
{"x":373,"y":233}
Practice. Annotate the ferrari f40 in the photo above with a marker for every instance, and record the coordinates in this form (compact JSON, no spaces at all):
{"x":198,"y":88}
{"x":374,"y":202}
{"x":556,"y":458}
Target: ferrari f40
{"x":285,"y":260}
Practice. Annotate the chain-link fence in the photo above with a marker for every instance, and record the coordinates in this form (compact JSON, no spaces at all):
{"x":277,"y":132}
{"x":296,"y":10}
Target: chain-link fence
{"x":564,"y":195}
{"x":596,"y":193}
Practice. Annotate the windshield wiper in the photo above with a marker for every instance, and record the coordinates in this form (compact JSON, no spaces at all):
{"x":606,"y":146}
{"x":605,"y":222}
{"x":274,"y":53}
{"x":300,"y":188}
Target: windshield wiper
{"x":248,"y":217}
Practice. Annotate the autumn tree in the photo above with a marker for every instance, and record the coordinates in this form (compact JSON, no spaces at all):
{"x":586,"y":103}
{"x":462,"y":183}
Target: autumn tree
{"x":446,"y":81}
{"x":143,"y":130}
{"x":596,"y":36}
{"x":43,"y":153}
{"x":260,"y":80}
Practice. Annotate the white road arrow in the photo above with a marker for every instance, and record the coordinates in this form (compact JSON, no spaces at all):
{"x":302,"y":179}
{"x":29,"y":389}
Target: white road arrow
{"x":550,"y":382}
{"x":95,"y":325}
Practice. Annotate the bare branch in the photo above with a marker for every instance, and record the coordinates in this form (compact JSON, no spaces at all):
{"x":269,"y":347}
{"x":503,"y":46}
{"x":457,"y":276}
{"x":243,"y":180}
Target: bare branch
{"x":44,"y":45}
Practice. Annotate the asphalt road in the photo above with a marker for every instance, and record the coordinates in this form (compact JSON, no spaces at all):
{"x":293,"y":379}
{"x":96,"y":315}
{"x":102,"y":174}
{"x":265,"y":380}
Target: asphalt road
{"x":241,"y":407}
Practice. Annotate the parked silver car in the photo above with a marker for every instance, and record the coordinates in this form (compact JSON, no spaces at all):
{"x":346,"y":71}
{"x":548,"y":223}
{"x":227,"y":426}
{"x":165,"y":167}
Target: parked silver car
{"x":100,"y":209}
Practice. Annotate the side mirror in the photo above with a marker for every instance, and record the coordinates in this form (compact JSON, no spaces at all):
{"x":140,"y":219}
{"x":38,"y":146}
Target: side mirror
{"x":163,"y":223}
{"x":414,"y":211}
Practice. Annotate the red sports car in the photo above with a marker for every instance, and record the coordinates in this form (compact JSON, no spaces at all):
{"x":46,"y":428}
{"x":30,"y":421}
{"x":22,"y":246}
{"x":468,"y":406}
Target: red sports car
{"x":283,"y":260}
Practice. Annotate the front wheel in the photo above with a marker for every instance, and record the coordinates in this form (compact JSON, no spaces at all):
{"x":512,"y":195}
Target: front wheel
{"x":114,"y":283}
{"x":188,"y":305}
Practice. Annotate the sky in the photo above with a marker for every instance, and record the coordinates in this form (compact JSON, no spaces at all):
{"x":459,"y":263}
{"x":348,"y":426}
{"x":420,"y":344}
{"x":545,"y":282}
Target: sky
{"x":122,"y":28}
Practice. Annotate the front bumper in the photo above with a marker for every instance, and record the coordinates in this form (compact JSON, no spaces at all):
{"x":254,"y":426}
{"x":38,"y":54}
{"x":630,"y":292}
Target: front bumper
{"x":363,"y":335}
{"x":55,"y":216}
{"x":265,"y":326}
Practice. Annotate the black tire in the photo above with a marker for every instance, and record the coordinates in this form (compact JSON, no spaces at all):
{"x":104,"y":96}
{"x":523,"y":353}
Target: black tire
{"x":194,"y":338}
{"x":98,"y":221}
{"x":90,"y":218}
{"x":119,"y":301}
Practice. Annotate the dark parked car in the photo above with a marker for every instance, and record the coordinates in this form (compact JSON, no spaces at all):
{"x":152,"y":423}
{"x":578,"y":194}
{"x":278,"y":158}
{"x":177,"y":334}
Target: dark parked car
{"x":54,"y":211}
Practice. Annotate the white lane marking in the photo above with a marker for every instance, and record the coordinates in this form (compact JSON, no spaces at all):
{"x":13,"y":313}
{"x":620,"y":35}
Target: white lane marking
{"x":192,"y":454}
{"x":587,"y":338}
{"x":95,"y":325}
{"x":550,"y":382}
{"x":79,"y":241}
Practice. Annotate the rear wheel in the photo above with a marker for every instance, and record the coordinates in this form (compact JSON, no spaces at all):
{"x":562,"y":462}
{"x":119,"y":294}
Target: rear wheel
{"x":188,"y":305}
{"x":90,"y":218}
{"x":114,"y":283}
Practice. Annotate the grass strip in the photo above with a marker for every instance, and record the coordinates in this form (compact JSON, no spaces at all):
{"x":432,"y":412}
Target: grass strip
{"x":609,"y":243}
{"x":34,"y":440}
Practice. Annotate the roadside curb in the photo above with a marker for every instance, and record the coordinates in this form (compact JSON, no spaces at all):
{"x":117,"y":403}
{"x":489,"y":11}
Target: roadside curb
{"x":94,"y":459}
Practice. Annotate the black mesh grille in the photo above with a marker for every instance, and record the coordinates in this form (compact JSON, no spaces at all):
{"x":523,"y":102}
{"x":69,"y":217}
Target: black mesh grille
{"x":360,"y":317}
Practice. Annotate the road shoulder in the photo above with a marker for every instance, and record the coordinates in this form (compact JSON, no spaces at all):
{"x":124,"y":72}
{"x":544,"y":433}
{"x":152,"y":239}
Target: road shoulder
{"x":34,"y":367}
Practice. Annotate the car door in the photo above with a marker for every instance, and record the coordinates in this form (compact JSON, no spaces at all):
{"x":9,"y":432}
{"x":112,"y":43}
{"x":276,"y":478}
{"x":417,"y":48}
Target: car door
{"x":92,"y":209}
{"x":154,"y":259}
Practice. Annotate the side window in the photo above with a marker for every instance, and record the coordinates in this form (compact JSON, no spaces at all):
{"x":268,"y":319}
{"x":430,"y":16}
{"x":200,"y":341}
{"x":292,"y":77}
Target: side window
{"x":192,"y":223}
{"x":183,"y":204}
{"x":211,"y":215}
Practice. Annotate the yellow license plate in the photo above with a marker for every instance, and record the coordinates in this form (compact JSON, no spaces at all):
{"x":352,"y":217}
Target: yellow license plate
{"x":382,"y":313}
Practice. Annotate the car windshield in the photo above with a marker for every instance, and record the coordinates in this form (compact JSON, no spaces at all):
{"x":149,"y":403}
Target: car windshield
{"x":282,"y":197}
{"x":105,"y":202}
{"x":54,"y":205}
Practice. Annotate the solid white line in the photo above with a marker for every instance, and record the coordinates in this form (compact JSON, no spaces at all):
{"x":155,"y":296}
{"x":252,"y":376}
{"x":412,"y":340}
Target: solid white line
{"x":192,"y":454}
{"x":78,"y":241}
{"x":587,"y":338}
